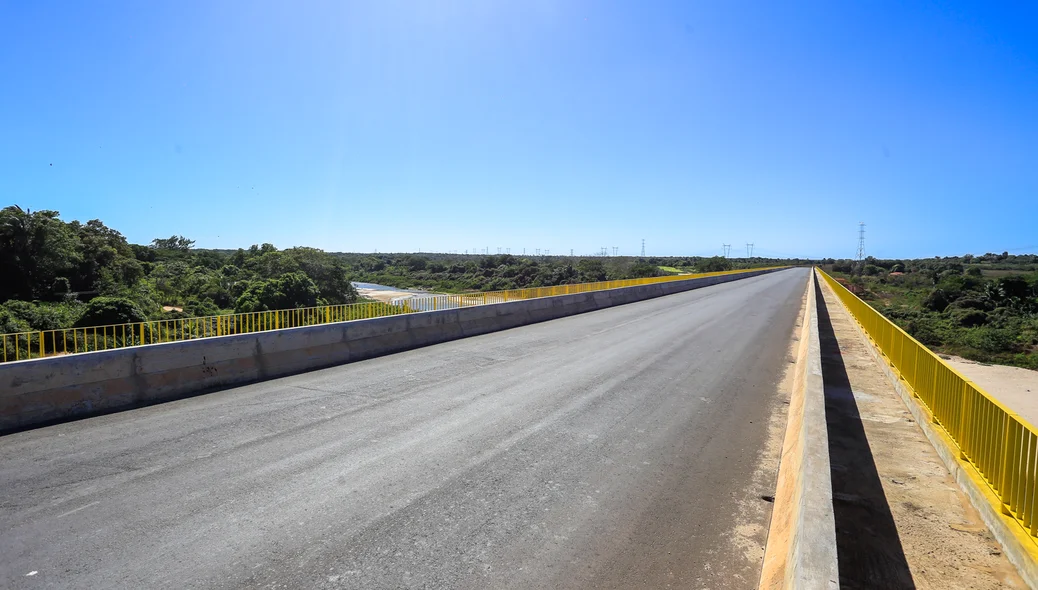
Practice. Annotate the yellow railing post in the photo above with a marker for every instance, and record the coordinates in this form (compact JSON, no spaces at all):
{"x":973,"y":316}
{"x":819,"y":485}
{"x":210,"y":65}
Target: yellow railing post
{"x":1007,"y":451}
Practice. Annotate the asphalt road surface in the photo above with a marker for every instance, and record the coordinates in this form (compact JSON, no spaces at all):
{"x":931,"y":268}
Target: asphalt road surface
{"x":609,"y":449}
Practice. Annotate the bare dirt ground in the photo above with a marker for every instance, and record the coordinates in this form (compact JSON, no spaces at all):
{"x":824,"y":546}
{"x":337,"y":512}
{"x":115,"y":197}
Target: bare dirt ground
{"x":901,"y":520}
{"x":1013,"y":386}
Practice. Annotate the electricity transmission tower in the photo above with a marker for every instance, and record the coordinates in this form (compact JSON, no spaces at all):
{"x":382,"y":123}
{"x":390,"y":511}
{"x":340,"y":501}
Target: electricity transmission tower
{"x":616,"y":249}
{"x":643,"y":247}
{"x":861,"y":240}
{"x":749,"y":250}
{"x":727,"y":249}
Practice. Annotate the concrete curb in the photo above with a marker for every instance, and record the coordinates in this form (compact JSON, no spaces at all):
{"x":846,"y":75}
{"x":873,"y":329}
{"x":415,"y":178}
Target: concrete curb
{"x":1015,"y":542}
{"x":801,"y":548}
{"x":41,"y":391}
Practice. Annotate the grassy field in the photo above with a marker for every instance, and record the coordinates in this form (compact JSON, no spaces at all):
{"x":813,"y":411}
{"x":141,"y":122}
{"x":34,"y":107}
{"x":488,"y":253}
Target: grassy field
{"x":671,"y":270}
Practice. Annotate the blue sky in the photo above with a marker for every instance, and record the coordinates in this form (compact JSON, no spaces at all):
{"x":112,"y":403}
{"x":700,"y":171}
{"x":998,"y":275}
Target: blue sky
{"x":399,"y":126}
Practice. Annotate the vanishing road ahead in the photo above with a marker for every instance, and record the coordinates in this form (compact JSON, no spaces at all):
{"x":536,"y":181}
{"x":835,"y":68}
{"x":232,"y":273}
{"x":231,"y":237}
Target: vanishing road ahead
{"x":618,"y":448}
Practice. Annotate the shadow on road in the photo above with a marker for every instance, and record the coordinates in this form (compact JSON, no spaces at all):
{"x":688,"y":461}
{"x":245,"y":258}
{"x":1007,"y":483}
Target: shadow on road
{"x":867,"y":544}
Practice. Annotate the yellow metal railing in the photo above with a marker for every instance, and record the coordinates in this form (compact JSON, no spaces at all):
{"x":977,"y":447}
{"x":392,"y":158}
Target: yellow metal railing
{"x":39,"y":344}
{"x":1002,"y":446}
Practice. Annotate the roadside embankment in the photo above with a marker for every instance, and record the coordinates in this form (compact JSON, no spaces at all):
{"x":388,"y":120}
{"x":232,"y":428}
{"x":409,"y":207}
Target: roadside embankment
{"x":58,"y":388}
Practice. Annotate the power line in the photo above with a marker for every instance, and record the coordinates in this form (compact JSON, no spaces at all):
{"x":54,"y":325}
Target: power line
{"x":861,"y":240}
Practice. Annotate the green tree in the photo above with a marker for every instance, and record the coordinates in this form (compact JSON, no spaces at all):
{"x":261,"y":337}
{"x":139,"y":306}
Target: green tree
{"x":644,"y":270}
{"x":175,"y":243}
{"x":35,"y":249}
{"x":714,"y":264}
{"x":292,"y":290}
{"x":591,"y":270}
{"x":106,"y":311}
{"x":327,"y":272}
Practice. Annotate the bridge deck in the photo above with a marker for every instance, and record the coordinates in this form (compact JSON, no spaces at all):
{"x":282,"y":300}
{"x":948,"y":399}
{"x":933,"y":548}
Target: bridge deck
{"x":621,"y":448}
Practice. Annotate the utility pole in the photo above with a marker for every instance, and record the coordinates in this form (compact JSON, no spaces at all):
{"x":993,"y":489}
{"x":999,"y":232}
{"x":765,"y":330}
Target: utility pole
{"x":643,"y":247}
{"x":727,"y":248}
{"x":861,"y":240}
{"x":749,"y":250}
{"x":615,"y":250}
{"x":571,"y":252}
{"x":538,"y":251}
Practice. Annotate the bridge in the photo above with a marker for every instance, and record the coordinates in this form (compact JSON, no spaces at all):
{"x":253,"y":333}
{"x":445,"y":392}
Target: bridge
{"x":669,"y":434}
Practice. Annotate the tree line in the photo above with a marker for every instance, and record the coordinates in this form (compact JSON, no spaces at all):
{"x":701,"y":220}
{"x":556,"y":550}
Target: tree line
{"x":63,"y":275}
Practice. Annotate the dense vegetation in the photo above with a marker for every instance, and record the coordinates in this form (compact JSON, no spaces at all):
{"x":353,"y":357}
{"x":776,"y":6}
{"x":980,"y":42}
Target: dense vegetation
{"x":61,"y":275}
{"x":451,"y":273}
{"x":983,"y":308}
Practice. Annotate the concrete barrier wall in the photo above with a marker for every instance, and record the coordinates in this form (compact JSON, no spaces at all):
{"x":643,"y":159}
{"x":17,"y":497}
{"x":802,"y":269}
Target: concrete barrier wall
{"x":56,"y":388}
{"x":801,"y":548}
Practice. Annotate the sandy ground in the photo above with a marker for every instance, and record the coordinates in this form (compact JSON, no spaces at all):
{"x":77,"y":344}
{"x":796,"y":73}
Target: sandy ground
{"x":382,"y":295}
{"x":901,"y":520}
{"x":1013,"y":386}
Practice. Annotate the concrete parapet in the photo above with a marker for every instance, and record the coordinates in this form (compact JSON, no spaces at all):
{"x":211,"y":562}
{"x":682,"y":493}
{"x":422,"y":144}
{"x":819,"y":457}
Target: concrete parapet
{"x":801,"y":548}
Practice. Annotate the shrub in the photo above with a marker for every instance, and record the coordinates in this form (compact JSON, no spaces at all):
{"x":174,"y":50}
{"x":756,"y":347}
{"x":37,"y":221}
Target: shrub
{"x":972,"y":302}
{"x":9,"y":322}
{"x":969,"y":318}
{"x":926,"y":330}
{"x":989,"y":339}
{"x":48,"y":316}
{"x":105,"y":311}
{"x":937,"y":300}
{"x":201,"y":308}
